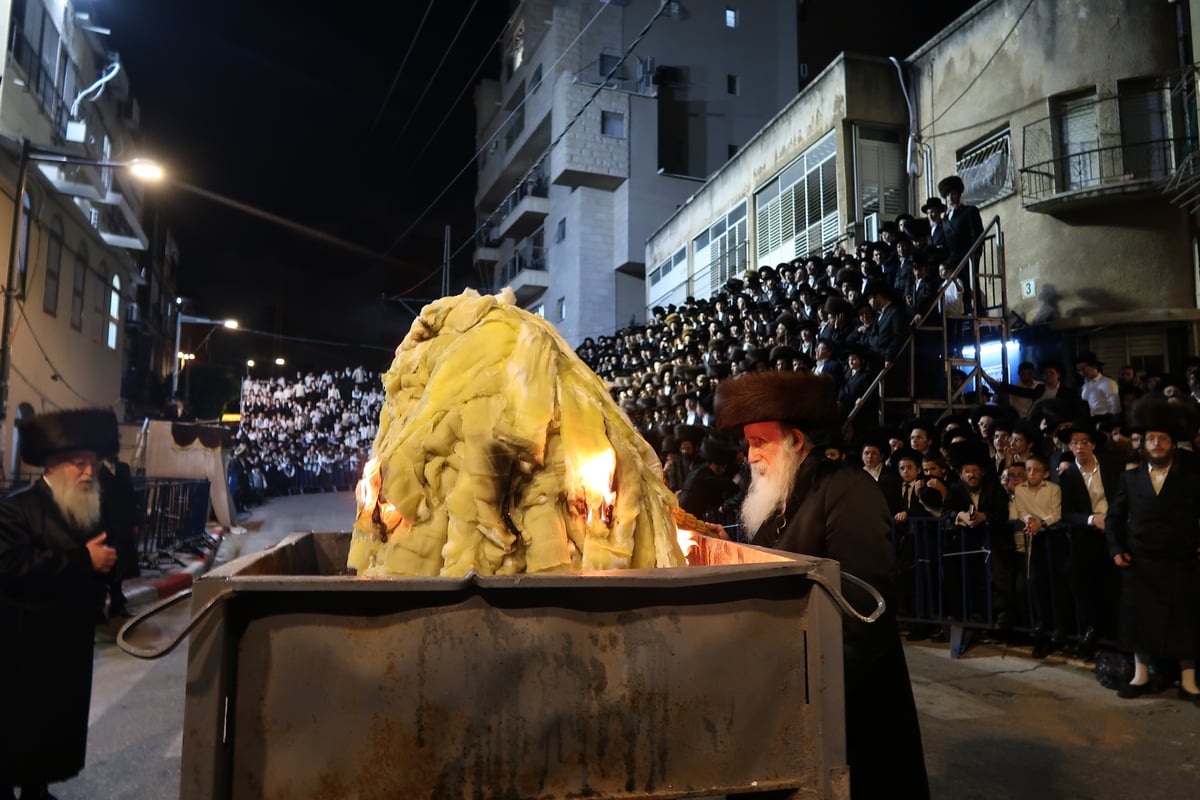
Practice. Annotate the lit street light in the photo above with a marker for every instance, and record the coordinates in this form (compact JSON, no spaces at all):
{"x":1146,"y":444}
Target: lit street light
{"x":279,"y":362}
{"x":143,"y":169}
{"x":179,"y":320}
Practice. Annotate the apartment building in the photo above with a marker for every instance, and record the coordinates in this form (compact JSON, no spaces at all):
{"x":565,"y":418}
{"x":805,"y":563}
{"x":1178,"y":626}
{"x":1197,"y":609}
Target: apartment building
{"x":608,"y":116}
{"x":76,"y":266}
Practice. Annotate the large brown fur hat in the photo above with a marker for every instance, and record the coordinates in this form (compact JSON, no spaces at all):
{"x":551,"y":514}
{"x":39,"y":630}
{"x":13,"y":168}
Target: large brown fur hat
{"x":46,"y":435}
{"x":804,"y":401}
{"x":1154,"y":412}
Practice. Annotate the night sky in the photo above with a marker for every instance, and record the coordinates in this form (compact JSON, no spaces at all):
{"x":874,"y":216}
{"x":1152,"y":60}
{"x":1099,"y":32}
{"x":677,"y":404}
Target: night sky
{"x":285,"y":107}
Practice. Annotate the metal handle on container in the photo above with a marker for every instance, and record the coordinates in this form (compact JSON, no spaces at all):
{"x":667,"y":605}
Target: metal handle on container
{"x":836,"y":593}
{"x":163,"y":605}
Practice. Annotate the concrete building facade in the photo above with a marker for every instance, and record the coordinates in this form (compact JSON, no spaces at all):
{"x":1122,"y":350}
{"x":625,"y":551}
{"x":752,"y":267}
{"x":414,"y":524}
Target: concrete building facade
{"x":602,"y":124}
{"x":76,"y":271}
{"x":1073,"y":122}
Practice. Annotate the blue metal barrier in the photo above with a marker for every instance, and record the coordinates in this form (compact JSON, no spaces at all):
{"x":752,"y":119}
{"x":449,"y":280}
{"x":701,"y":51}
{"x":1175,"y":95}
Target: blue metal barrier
{"x":174,"y":514}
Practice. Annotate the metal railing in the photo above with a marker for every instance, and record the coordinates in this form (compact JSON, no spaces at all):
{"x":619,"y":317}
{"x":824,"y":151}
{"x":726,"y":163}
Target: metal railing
{"x":989,"y":302}
{"x":1097,"y":167}
{"x":527,"y":257}
{"x":172,"y":518}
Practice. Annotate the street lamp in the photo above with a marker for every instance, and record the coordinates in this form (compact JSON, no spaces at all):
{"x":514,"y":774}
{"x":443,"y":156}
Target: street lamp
{"x":30,"y":153}
{"x":280,"y":361}
{"x":179,"y":320}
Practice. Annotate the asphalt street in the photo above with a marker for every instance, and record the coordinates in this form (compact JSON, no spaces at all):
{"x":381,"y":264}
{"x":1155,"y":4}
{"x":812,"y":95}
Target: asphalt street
{"x":996,"y":723}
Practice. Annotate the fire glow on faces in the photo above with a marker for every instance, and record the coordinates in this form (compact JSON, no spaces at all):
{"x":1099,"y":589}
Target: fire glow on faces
{"x":774,"y":454}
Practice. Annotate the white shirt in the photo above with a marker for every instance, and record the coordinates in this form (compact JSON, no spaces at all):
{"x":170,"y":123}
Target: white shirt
{"x":1101,"y":395}
{"x":1157,"y":476}
{"x":1095,"y":487}
{"x":1045,"y":503}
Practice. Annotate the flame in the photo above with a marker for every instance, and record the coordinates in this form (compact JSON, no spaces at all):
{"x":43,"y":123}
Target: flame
{"x":596,"y":475}
{"x":689,"y":543}
{"x":367,"y":492}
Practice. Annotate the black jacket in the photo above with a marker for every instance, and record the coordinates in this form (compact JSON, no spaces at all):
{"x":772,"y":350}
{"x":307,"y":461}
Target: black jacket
{"x":49,"y":593}
{"x":1076,"y":502}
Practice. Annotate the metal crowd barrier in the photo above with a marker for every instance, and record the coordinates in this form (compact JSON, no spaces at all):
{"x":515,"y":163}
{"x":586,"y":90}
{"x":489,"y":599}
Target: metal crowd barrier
{"x":948,"y":575}
{"x":174,"y":513}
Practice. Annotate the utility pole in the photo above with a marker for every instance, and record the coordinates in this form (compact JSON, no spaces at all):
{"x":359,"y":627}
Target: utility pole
{"x":446,"y":263}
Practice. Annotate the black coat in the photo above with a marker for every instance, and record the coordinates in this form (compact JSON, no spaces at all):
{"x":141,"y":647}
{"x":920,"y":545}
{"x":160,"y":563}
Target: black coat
{"x":961,"y":231}
{"x":705,"y":491}
{"x":120,"y":518}
{"x":891,"y":329}
{"x":1160,"y":590}
{"x":49,"y":593}
{"x":1076,"y":502}
{"x":836,"y":511}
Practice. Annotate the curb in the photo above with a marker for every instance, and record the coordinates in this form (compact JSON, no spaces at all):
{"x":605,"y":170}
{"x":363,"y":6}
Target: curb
{"x":168,"y":585}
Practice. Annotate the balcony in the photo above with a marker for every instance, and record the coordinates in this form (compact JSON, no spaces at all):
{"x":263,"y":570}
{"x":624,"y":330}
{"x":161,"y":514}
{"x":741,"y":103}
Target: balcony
{"x":1088,"y":154}
{"x":526,"y":273}
{"x":487,"y":247}
{"x":526,"y":208}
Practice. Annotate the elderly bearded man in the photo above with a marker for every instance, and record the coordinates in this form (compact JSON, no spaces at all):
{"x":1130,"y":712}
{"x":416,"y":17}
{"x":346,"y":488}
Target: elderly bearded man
{"x":52,"y":564}
{"x":799,"y":502}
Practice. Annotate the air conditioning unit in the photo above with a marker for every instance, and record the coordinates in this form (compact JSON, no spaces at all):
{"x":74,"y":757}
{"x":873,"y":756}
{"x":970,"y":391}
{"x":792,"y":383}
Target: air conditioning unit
{"x":645,"y":74}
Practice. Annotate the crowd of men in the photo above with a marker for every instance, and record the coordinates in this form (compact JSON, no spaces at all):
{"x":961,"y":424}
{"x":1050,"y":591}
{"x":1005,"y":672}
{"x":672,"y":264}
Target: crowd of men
{"x":311,"y":433}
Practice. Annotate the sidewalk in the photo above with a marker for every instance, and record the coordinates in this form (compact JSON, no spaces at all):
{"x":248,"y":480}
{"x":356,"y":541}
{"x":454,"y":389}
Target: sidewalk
{"x":261,"y":529}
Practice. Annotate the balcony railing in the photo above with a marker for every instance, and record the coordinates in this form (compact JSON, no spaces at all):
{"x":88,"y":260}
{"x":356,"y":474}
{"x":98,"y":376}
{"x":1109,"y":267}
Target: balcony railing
{"x":526,"y":257}
{"x":535,"y":186}
{"x":1100,"y":167}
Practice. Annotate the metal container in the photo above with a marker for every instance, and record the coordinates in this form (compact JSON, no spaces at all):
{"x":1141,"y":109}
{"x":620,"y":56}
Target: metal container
{"x":305,"y":682}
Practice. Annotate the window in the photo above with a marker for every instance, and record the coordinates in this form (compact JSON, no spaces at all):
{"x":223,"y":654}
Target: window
{"x":535,"y":80}
{"x":796,"y":212}
{"x":540,"y":310}
{"x":1145,"y":128}
{"x":987,"y":169}
{"x":720,"y":251}
{"x":562,"y":309}
{"x":731,"y":84}
{"x":114,"y":311}
{"x":880,"y":180}
{"x":731,"y":18}
{"x":733,"y":148}
{"x":560,"y":231}
{"x":612,"y":123}
{"x":23,"y":245}
{"x":54,"y":250}
{"x":610,"y":65}
{"x":99,"y":312}
{"x":1078,"y":132}
{"x":81,"y":271}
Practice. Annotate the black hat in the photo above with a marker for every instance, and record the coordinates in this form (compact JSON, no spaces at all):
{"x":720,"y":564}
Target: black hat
{"x":973,"y":451}
{"x":669,"y":445}
{"x":874,"y":287}
{"x":1078,"y":426}
{"x":906,"y":453}
{"x":1089,"y":358}
{"x":689,"y":433}
{"x":951,"y":185}
{"x":1156,"y":413}
{"x":782,"y":351}
{"x":717,"y":450}
{"x":935,"y":203}
{"x":46,"y":435}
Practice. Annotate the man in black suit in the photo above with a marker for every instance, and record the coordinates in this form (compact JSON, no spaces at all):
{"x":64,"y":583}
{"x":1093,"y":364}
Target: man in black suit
{"x":935,"y":211}
{"x":1089,"y":484}
{"x":1153,"y":530}
{"x":891,"y":324}
{"x":977,"y":510}
{"x":964,"y":224}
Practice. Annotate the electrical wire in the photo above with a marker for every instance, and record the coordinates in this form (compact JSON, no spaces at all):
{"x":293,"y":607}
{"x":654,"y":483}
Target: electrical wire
{"x":495,"y":134}
{"x":470,"y":82}
{"x":982,"y":69}
{"x":396,"y":79}
{"x":429,"y":83}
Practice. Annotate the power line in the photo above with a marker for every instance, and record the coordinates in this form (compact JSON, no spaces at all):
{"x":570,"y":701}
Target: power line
{"x":982,"y":69}
{"x":496,"y":133}
{"x":412,"y":113}
{"x":396,"y":79}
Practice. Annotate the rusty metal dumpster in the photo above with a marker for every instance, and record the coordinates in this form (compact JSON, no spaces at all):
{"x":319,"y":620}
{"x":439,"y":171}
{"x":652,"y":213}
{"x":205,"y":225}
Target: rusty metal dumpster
{"x":304,"y":682}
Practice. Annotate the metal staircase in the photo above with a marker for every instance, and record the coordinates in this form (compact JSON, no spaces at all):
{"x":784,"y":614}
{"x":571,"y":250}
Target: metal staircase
{"x":933,"y":391}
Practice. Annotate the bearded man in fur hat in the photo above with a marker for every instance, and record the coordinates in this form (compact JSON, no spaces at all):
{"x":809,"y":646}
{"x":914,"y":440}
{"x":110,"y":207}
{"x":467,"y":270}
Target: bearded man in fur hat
{"x":53,"y":559}
{"x":800,"y":502}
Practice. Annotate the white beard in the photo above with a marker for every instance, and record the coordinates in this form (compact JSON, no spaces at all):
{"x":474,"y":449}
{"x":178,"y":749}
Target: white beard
{"x":79,"y":502}
{"x":769,"y":491}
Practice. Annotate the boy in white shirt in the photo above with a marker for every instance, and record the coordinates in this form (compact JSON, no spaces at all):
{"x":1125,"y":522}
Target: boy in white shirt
{"x":1036,"y":505}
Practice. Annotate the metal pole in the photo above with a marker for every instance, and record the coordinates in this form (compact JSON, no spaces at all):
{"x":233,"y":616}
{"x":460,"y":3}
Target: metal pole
{"x":175,"y":355}
{"x":10,"y":291}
